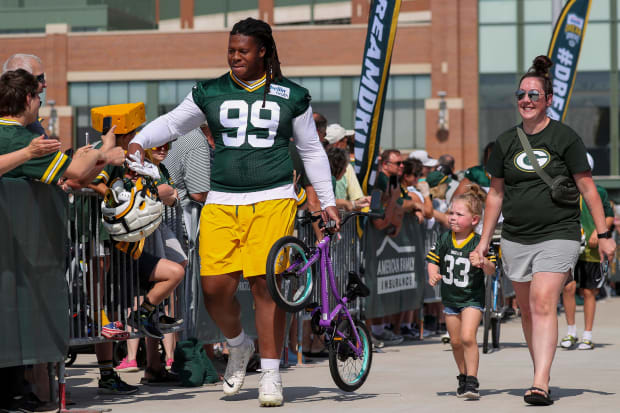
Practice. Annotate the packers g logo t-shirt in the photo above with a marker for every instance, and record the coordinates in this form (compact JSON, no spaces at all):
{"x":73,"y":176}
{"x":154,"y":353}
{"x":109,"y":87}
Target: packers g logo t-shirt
{"x":530,"y":215}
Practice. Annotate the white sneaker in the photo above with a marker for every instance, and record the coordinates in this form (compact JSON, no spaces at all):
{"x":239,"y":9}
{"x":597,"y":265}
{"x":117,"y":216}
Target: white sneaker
{"x":270,"y":388}
{"x":238,"y":359}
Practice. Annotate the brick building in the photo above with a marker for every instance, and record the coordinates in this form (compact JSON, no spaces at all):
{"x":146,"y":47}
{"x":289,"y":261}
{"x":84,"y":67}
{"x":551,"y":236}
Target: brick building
{"x":436,"y":50}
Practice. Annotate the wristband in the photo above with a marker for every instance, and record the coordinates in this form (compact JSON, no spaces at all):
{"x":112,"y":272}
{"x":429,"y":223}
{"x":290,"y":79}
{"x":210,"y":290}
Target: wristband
{"x":607,"y":234}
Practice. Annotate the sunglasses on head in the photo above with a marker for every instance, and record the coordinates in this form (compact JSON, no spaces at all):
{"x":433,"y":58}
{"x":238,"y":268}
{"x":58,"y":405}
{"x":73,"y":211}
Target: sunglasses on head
{"x":533,"y":94}
{"x":41,"y":78}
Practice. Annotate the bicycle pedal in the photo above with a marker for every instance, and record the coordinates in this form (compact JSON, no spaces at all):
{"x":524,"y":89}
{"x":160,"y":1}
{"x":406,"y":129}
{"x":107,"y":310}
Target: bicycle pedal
{"x":311,"y":307}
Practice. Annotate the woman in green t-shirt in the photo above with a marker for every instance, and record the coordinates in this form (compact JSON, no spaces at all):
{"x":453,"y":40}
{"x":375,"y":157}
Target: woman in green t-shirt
{"x":540,"y":239}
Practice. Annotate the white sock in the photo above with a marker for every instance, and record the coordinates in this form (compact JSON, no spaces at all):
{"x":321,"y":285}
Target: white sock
{"x":405,"y":325}
{"x":572,"y":330}
{"x":269,"y":364}
{"x":377,"y":329}
{"x":587,"y":335}
{"x":236,"y":341}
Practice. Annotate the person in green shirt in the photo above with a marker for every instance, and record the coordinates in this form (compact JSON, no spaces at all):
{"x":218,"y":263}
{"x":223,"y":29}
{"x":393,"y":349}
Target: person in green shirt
{"x":253,"y":111}
{"x":540,"y":239}
{"x":588,"y":275}
{"x":461,"y":271}
{"x":19,"y":107}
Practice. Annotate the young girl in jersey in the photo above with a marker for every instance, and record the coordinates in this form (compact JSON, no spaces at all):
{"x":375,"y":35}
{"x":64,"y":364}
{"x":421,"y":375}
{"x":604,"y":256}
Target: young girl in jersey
{"x":452,"y":261}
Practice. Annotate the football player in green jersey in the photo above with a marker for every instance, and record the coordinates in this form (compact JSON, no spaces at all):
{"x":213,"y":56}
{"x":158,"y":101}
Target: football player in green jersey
{"x":453,"y":262}
{"x":252,"y":112}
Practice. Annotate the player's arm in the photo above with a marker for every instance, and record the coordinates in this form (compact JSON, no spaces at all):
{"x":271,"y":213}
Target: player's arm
{"x":179,"y":121}
{"x":315,"y":162}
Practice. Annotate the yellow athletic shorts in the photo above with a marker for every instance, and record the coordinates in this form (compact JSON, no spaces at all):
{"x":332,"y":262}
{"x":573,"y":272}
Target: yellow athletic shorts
{"x":238,"y":237}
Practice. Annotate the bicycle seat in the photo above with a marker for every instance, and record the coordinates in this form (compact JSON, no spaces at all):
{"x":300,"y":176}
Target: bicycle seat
{"x":355,"y":287}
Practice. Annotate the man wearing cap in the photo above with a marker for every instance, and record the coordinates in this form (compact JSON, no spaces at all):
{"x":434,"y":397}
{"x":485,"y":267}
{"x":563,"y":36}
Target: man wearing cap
{"x":429,"y":164}
{"x":347,"y":187}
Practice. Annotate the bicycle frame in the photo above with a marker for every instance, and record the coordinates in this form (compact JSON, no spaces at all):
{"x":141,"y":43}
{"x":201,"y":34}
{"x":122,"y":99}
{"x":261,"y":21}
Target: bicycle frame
{"x":328,"y":315}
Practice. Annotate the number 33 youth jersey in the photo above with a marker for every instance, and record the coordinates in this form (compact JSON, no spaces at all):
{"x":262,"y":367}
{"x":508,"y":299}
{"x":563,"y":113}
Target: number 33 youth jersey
{"x":251,"y":137}
{"x":462,"y":284}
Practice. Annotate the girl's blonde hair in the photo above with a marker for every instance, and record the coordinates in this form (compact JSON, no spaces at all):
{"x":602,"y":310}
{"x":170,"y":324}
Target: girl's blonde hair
{"x":474,"y":197}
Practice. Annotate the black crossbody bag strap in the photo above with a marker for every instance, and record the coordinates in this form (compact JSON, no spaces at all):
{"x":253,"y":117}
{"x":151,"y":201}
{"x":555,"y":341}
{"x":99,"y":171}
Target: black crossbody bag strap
{"x":533,"y":160}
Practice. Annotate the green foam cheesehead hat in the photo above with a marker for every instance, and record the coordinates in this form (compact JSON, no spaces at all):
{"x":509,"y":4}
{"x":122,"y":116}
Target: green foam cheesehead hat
{"x":436,"y":178}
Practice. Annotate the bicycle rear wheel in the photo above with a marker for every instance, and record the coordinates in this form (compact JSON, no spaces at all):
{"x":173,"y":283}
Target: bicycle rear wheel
{"x":289,"y":286}
{"x":486,"y":318}
{"x":496,"y":321}
{"x":348,"y":370}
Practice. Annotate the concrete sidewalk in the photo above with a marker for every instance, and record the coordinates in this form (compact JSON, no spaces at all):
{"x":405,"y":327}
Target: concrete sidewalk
{"x":416,"y":376}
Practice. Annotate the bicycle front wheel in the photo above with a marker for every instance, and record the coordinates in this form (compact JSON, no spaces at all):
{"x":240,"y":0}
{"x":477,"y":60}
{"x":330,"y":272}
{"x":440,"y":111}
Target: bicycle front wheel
{"x":349,"y":370}
{"x":288,"y":283}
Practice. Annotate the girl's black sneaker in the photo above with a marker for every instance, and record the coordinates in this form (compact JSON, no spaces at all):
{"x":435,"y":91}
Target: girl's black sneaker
{"x":460,"y":390}
{"x":471,"y":388}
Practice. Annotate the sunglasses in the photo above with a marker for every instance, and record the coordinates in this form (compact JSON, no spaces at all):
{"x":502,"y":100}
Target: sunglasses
{"x":161,"y":148}
{"x":533,"y":94}
{"x":41,"y":78}
{"x":395,"y":163}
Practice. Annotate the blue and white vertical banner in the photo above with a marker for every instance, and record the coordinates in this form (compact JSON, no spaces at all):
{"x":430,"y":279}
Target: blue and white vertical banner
{"x":382,"y":21}
{"x":564,"y":50}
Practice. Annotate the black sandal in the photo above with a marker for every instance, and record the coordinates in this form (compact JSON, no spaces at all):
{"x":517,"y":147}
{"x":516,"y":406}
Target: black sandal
{"x":538,"y":397}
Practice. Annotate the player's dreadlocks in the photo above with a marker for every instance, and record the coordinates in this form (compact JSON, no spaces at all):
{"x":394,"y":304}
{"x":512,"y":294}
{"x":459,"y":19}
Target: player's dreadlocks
{"x":261,"y":32}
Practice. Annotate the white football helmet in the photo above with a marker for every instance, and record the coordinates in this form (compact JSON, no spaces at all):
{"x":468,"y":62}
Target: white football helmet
{"x":130,"y":215}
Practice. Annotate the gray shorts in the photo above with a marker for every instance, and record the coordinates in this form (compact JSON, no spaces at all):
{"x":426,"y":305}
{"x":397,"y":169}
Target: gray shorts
{"x":163,"y":243}
{"x":521,"y":261}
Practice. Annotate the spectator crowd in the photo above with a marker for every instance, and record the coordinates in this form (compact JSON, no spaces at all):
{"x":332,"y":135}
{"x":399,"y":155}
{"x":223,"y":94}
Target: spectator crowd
{"x":415,"y":185}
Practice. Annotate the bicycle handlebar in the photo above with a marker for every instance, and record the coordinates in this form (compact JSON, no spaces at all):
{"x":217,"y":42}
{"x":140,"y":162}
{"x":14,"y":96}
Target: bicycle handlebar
{"x":331,"y":224}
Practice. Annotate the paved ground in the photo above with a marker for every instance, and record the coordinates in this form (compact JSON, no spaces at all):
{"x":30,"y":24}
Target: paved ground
{"x":416,"y":376}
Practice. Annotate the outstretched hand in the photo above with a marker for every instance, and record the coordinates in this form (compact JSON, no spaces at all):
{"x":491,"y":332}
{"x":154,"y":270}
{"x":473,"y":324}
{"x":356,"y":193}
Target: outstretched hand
{"x":41,"y":146}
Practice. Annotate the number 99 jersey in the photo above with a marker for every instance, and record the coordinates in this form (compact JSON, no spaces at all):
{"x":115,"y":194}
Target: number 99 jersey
{"x":251,"y":136}
{"x":462,"y":284}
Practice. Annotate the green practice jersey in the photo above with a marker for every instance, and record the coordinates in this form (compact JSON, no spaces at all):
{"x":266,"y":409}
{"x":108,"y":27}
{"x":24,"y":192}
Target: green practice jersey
{"x":251,"y":136}
{"x":530,"y":215}
{"x":47,"y":168}
{"x":462,"y":284}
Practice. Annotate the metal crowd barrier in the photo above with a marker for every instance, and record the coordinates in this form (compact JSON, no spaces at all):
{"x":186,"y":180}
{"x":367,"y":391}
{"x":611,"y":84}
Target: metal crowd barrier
{"x":98,"y":275}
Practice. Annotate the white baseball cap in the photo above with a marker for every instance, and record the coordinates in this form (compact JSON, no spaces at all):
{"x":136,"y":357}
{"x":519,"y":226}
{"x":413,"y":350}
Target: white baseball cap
{"x":423,"y":157}
{"x":334,"y":133}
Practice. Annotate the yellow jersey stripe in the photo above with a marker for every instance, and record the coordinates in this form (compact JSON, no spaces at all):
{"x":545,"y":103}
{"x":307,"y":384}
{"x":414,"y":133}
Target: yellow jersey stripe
{"x":103,"y":175}
{"x":53,"y":167}
{"x":57,"y":169}
{"x":250,"y":87}
{"x":432,"y":258}
{"x":5,"y":121}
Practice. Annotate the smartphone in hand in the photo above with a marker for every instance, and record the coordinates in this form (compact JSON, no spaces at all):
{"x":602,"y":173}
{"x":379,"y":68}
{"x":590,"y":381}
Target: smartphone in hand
{"x":107,"y":124}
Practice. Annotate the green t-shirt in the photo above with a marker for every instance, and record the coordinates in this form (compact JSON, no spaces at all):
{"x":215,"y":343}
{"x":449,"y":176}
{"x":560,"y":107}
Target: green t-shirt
{"x":530,"y":216}
{"x":478,"y":175}
{"x":383,"y":182}
{"x":251,"y":139}
{"x":47,"y":169}
{"x":462,"y":284}
{"x":587,"y":223}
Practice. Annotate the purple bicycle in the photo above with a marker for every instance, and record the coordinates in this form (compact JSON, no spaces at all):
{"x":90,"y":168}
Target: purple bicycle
{"x":290,"y":282}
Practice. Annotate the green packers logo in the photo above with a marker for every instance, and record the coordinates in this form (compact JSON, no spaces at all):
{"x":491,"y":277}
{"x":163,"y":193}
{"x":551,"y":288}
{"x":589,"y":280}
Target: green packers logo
{"x":523,"y":163}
